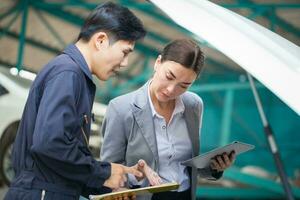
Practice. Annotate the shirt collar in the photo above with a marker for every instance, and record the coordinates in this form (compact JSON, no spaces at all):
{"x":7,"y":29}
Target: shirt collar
{"x":179,"y":105}
{"x":76,"y":55}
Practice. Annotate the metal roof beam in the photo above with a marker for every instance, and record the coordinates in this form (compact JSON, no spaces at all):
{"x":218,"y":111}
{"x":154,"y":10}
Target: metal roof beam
{"x":9,"y":11}
{"x":283,"y":23}
{"x":270,"y":14}
{"x":10,"y":23}
{"x":33,"y":42}
{"x":149,"y":8}
{"x":25,"y":4}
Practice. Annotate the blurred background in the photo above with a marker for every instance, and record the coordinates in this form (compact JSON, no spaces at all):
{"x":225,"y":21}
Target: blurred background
{"x":32,"y":32}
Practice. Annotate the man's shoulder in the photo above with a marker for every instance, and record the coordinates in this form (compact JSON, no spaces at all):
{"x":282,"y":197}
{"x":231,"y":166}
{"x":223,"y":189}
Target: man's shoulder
{"x":60,"y":64}
{"x":63,"y":62}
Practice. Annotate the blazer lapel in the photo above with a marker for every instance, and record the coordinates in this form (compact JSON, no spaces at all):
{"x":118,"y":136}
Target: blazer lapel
{"x":142,"y":113}
{"x":192,"y":123}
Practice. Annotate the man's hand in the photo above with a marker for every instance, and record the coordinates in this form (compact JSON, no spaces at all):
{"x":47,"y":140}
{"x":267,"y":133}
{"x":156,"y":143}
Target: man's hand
{"x":222,"y":162}
{"x":126,"y":196}
{"x":151,"y":175}
{"x":118,"y":175}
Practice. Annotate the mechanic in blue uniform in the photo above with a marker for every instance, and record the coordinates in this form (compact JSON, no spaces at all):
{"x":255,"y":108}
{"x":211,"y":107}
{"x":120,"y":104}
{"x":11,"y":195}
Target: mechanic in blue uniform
{"x":51,"y":157}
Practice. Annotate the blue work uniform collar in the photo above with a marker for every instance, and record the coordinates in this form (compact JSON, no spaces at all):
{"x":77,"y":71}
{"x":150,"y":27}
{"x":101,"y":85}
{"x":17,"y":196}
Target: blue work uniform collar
{"x":76,"y":55}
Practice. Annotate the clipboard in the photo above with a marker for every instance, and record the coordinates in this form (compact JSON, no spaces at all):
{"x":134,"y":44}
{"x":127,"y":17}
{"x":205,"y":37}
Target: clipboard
{"x":137,"y":191}
{"x":203,"y":160}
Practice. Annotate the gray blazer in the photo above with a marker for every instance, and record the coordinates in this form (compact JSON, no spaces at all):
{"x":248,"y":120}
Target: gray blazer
{"x":128,"y":131}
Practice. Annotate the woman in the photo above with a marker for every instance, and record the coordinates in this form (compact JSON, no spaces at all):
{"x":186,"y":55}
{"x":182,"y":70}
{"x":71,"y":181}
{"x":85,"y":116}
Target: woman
{"x":160,"y":123}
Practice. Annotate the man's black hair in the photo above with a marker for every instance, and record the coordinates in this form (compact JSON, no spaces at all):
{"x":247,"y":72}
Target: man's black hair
{"x":116,"y":20}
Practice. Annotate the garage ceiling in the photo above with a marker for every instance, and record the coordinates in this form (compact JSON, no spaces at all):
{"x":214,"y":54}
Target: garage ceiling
{"x":33,"y":31}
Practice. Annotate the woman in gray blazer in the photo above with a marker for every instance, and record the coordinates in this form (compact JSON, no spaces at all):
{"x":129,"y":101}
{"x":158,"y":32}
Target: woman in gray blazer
{"x":161,"y":122}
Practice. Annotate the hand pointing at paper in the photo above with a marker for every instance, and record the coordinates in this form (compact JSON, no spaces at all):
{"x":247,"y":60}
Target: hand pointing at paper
{"x":118,"y":175}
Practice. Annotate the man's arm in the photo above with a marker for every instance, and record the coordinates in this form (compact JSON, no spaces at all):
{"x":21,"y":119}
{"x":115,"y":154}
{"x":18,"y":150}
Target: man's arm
{"x":56,"y":136}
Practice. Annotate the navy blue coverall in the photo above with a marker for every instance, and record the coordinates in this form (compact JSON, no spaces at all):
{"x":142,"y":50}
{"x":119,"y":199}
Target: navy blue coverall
{"x":51,"y":158}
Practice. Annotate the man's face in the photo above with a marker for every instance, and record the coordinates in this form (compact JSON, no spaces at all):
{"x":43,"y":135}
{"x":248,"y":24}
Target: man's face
{"x":110,"y":58}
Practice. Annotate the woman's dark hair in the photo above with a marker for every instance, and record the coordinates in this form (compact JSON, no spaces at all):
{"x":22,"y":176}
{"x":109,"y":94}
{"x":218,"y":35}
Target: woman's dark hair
{"x":185,"y":52}
{"x":118,"y":21}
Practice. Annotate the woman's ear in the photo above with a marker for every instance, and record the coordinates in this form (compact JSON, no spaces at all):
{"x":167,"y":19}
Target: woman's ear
{"x":157,"y":63}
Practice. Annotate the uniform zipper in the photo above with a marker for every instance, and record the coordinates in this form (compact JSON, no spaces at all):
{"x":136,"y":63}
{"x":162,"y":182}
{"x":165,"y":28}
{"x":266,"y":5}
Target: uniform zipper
{"x":43,"y":194}
{"x":85,"y":137}
{"x":86,"y":119}
{"x":83,"y":132}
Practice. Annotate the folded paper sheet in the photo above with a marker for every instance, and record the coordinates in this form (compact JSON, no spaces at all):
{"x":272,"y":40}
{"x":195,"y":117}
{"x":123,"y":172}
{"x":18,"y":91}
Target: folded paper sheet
{"x":138,"y":191}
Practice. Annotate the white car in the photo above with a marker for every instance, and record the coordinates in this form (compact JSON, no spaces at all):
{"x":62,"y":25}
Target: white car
{"x":14,"y":89}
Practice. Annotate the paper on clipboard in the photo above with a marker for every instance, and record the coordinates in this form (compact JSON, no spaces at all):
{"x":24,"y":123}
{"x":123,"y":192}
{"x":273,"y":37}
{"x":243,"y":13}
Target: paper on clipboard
{"x":137,"y":191}
{"x":203,"y":160}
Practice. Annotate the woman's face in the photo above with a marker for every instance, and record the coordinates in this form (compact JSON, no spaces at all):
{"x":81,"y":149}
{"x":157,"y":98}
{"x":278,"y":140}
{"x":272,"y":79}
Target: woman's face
{"x":170,"y":80}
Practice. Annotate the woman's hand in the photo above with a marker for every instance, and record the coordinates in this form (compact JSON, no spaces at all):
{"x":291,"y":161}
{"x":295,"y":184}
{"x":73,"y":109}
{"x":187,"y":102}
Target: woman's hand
{"x":222,"y":162}
{"x":148,"y":173}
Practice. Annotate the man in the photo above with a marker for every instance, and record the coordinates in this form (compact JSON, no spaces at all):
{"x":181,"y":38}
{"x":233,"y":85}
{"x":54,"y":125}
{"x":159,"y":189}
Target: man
{"x":51,"y":157}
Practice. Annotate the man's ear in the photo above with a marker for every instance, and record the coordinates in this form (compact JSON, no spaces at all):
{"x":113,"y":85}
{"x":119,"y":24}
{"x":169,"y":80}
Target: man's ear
{"x":100,"y":40}
{"x":157,"y":62}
